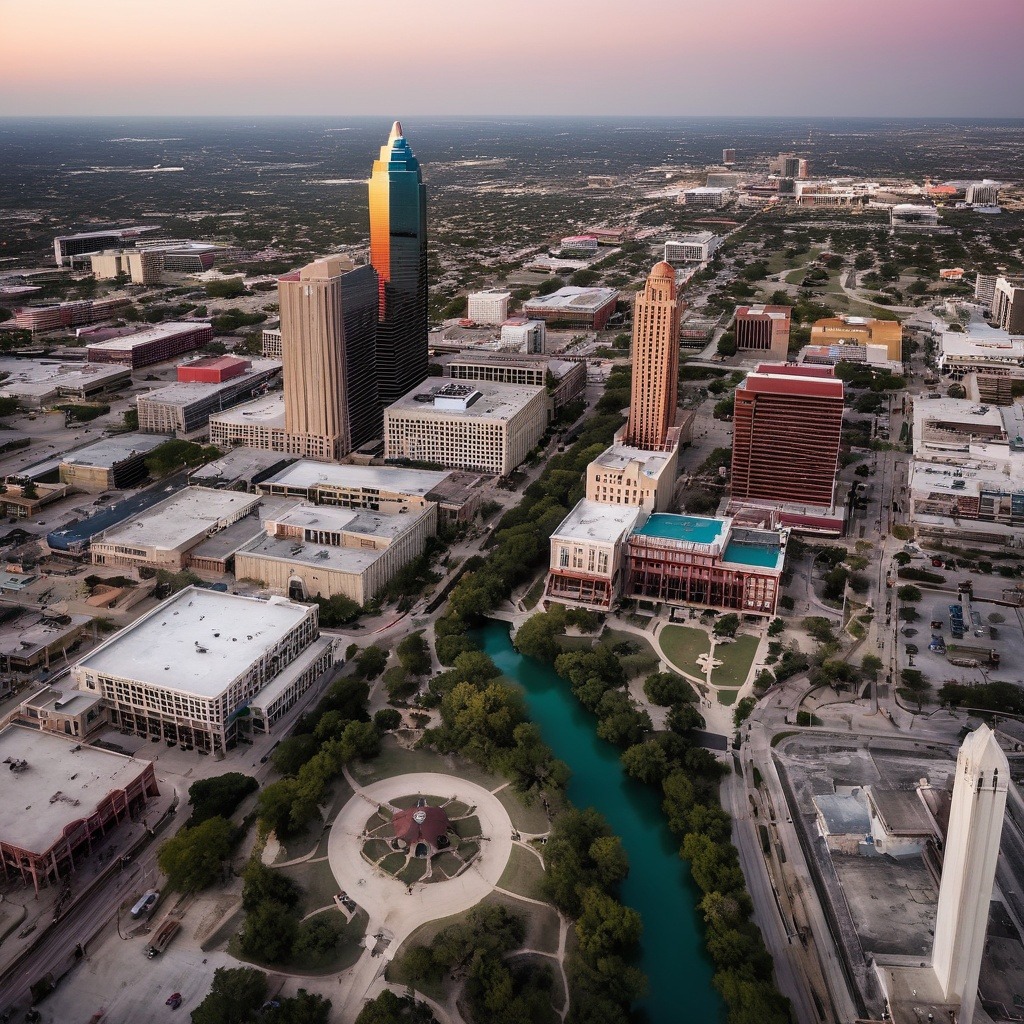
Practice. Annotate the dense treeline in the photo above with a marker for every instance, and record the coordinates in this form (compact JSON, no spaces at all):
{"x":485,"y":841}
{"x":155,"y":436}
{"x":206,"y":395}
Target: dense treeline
{"x":521,"y":539}
{"x":688,"y":777}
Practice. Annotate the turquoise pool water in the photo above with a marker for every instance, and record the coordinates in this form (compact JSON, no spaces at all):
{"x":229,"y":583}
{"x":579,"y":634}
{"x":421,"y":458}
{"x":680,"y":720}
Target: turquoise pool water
{"x":659,"y":886}
{"x":697,"y":529}
{"x":762,"y":555}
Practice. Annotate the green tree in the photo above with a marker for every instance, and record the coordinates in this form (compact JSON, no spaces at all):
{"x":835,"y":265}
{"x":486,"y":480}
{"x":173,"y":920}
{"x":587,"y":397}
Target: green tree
{"x":370,"y":661}
{"x":302,"y":1008}
{"x":646,"y":762}
{"x":776,"y":626}
{"x":726,"y":625}
{"x":219,"y":796}
{"x":388,"y":1008}
{"x":235,"y":996}
{"x":194,"y":858}
{"x":605,"y":926}
{"x":317,"y":939}
{"x":414,"y":654}
{"x":387,"y":719}
{"x":666,"y":689}
{"x":269,"y":932}
{"x":262,"y":884}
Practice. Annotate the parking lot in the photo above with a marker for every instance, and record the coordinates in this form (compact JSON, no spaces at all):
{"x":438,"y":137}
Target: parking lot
{"x":1004,"y":634}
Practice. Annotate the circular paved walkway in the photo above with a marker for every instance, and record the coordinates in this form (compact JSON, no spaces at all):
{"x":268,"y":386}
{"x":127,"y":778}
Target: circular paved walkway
{"x":385,"y":899}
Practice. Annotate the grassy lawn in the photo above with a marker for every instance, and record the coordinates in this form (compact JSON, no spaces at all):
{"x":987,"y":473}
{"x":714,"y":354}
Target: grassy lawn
{"x":315,"y":836}
{"x":533,"y":595}
{"x":727,"y":697}
{"x":736,"y":659}
{"x":318,"y":883}
{"x":575,"y":643}
{"x":393,"y":862}
{"x":456,"y":809}
{"x":412,"y":800}
{"x":413,"y":871}
{"x":348,"y":951}
{"x":527,"y":817}
{"x":683,"y":645}
{"x":643,"y":661}
{"x":541,"y":922}
{"x":396,"y":760}
{"x":468,"y":828}
{"x":523,"y":874}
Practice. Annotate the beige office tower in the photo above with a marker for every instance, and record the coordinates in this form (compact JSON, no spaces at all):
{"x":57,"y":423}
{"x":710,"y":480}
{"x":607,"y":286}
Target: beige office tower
{"x":656,"y":317}
{"x":328,"y":332}
{"x":969,"y":868}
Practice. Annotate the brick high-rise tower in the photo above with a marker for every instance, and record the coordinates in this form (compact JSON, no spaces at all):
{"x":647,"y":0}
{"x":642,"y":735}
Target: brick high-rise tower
{"x":787,"y":424}
{"x":655,"y":392}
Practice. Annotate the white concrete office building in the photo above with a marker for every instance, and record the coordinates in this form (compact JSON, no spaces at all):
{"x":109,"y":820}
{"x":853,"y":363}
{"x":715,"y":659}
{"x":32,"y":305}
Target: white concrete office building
{"x":484,"y":427}
{"x":489,"y":306}
{"x":203,"y":668}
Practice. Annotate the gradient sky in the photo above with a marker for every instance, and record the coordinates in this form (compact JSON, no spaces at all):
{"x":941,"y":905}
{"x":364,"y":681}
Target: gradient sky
{"x":433,"y":57}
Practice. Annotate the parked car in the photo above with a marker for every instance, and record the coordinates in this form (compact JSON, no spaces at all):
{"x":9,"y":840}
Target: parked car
{"x":174,"y":1000}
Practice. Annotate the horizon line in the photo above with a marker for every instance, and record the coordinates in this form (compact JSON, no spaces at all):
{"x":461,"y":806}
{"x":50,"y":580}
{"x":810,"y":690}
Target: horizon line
{"x":546,"y":116}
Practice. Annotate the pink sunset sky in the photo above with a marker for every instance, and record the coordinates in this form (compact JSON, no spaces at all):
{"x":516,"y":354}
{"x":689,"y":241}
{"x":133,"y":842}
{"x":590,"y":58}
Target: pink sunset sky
{"x":347,"y":57}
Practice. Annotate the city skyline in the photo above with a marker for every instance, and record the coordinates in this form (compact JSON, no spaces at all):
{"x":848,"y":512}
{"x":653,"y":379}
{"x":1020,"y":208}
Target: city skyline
{"x":481,"y":62}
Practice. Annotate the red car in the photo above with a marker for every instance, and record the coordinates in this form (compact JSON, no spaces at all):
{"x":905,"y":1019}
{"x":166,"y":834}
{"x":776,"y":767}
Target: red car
{"x":174,"y":1001}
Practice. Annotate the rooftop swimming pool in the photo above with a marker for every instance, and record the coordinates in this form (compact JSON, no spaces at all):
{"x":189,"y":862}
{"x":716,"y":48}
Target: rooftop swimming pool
{"x":764,"y":556}
{"x":696,"y":529}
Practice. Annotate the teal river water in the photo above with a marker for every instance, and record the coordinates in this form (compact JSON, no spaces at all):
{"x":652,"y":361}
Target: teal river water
{"x":659,"y":884}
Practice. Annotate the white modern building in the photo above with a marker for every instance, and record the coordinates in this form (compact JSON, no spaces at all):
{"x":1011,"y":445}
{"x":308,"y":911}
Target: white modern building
{"x":482,"y":426}
{"x":489,"y":306}
{"x":255,"y":424}
{"x":696,"y":248}
{"x":204,"y":669}
{"x":983,"y":193}
{"x":706,"y":198}
{"x":913,"y":215}
{"x":521,"y":335}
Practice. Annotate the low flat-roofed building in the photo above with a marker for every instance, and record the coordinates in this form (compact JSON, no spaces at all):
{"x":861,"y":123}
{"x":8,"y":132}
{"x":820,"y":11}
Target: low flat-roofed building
{"x":697,"y":247}
{"x":579,"y":307}
{"x":30,"y":639}
{"x":111,"y":462}
{"x":967,"y":474}
{"x":704,"y":197}
{"x":326,"y":551}
{"x":39,"y":382}
{"x":212,"y":369}
{"x":914,"y":215}
{"x":481,"y":427}
{"x":711,"y":562}
{"x":844,"y":821}
{"x":60,"y":797}
{"x":152,"y":344}
{"x":215,"y":556}
{"x":624,"y":475}
{"x":241,"y":468}
{"x":566,"y":380}
{"x":184,"y":409}
{"x":14,"y":502}
{"x":71,"y":713}
{"x":588,"y":549}
{"x":66,"y":246}
{"x":388,"y":489}
{"x":860,"y":330}
{"x":203,"y":667}
{"x":162,"y":536}
{"x":255,"y":424}
{"x":39,"y":319}
{"x":457,"y":496}
{"x":981,"y":349}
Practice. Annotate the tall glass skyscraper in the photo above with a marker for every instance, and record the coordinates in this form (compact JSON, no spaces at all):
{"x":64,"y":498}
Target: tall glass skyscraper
{"x":398,"y":252}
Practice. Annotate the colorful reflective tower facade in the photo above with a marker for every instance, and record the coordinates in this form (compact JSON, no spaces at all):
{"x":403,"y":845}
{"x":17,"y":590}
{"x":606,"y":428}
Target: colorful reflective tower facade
{"x":398,"y":252}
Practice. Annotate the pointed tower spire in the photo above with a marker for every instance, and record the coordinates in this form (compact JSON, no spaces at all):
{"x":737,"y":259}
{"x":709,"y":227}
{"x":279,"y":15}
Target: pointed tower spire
{"x":396,"y":132}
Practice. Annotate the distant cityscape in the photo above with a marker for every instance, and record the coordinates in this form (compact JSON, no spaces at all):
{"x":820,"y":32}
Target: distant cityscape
{"x":348,"y":539}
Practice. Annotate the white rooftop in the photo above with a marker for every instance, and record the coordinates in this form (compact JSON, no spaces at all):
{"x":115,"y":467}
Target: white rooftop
{"x":618,"y":457}
{"x":173,"y":523}
{"x":306,"y":474}
{"x":109,"y":451}
{"x":154,"y":333}
{"x":592,"y":521}
{"x":197,"y":641}
{"x":495,"y":401}
{"x":182,"y":393}
{"x":353,"y":521}
{"x":572,"y":298}
{"x":265,"y":411}
{"x":37,"y":377}
{"x":83,"y":776}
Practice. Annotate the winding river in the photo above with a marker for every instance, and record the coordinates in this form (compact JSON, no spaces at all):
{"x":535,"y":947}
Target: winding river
{"x":659,"y":884}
